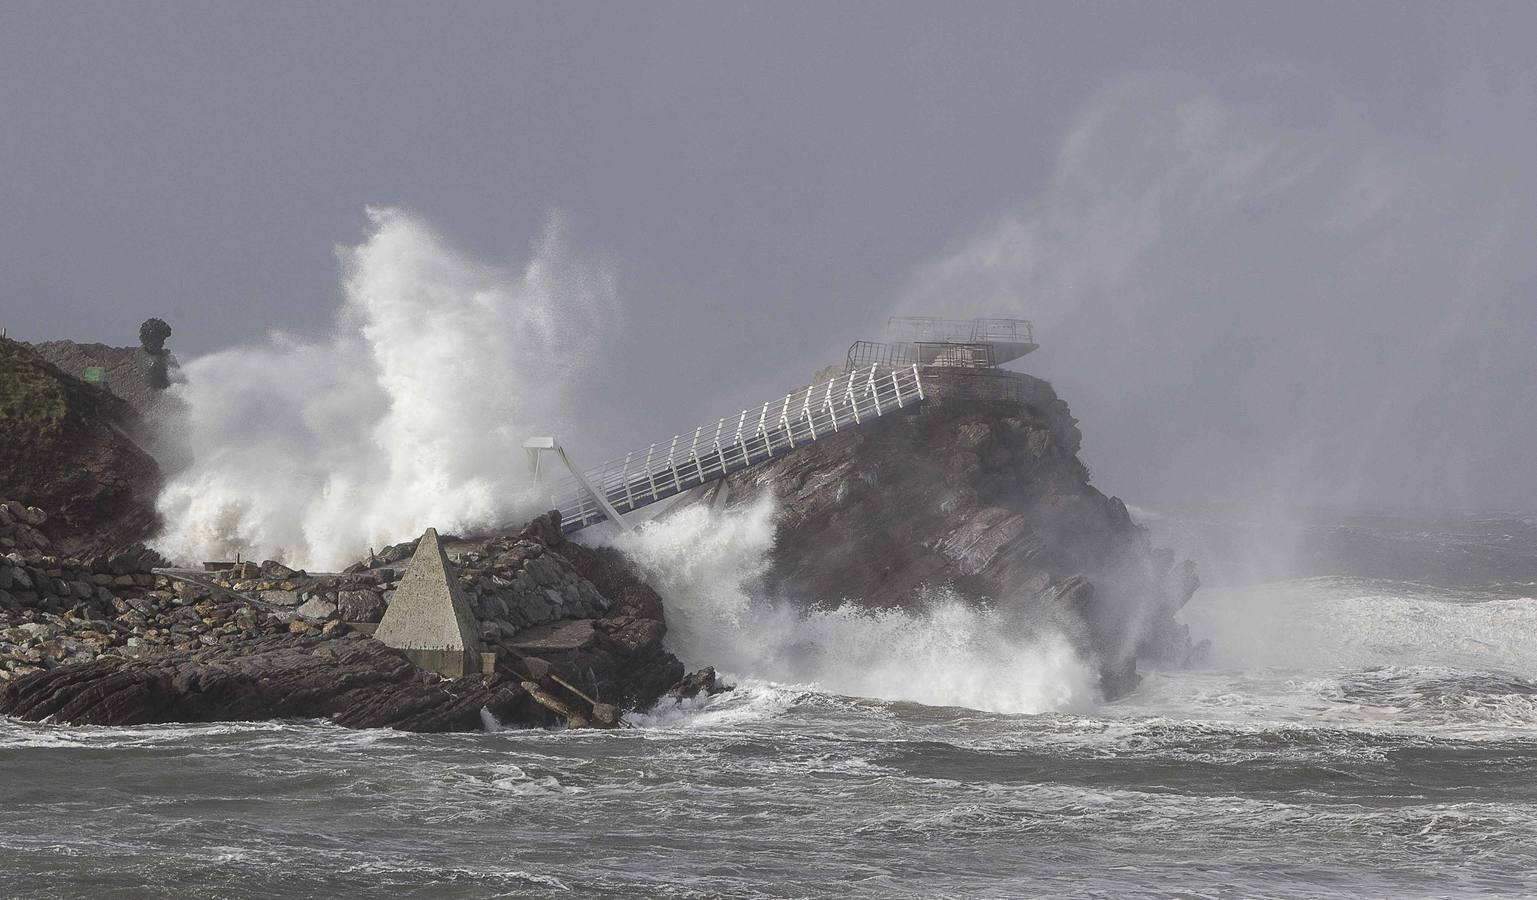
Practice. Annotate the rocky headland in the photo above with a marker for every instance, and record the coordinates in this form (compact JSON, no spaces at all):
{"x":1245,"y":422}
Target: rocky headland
{"x":982,"y":493}
{"x":94,"y":628}
{"x":978,"y":492}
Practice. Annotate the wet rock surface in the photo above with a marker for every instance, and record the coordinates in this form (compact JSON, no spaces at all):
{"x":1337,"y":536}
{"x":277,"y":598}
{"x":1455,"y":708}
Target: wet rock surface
{"x":982,"y":495}
{"x":704,"y":681}
{"x":73,"y":449}
{"x":116,"y":640}
{"x":351,"y":679}
{"x":987,"y":497}
{"x":57,"y":611}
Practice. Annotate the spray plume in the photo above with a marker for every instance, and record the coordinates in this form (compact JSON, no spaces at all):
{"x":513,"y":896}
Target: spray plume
{"x":411,"y":414}
{"x":1251,"y":300}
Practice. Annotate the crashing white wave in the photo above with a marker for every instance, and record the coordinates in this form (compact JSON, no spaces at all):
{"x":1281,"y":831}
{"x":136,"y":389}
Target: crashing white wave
{"x":411,"y":414}
{"x":1363,"y":654}
{"x":947,"y":653}
{"x":1327,"y":623}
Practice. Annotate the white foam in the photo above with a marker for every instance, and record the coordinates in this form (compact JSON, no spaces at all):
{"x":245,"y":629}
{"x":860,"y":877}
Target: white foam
{"x":38,"y":735}
{"x":1357,"y":654}
{"x":1327,"y":623}
{"x":947,"y":653}
{"x":514,"y":780}
{"x":411,"y":414}
{"x":751,"y":700}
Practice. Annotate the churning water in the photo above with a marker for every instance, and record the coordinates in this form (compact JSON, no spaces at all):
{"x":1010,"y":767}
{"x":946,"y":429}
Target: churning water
{"x":1350,"y":736}
{"x":948,"y":652}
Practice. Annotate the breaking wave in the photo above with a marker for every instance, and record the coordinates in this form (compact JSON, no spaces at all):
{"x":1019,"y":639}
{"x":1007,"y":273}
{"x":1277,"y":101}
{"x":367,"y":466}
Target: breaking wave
{"x":411,"y":414}
{"x":946,"y":653}
{"x":1333,"y":622}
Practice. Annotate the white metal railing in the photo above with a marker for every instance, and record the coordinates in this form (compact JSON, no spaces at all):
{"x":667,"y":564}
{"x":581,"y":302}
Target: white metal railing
{"x":964,"y":331}
{"x":733,"y":443}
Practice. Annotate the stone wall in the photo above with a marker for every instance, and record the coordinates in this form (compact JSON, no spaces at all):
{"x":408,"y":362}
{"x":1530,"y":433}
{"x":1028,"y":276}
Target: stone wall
{"x":19,"y":528}
{"x":59,"y":610}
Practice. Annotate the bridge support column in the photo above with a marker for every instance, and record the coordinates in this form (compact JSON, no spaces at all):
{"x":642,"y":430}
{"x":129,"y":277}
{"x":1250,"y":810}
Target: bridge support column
{"x":534,"y":446}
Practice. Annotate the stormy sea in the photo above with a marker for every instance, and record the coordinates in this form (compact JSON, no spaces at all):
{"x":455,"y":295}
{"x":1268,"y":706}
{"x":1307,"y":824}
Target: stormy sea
{"x":1362,"y":724}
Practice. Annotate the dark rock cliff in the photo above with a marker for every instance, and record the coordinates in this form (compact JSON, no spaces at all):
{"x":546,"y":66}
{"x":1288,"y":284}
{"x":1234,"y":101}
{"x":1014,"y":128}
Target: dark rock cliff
{"x":985,"y":496}
{"x":73,"y":449}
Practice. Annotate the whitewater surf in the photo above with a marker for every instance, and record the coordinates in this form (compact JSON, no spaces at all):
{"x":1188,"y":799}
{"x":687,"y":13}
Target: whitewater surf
{"x":1349,"y":736}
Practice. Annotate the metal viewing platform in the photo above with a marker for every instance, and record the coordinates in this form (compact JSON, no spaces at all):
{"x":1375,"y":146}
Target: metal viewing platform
{"x":925,"y":329}
{"x":948,"y":343}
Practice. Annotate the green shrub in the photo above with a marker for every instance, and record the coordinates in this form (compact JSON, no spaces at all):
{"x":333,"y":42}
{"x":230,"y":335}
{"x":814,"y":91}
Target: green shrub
{"x":32,"y":403}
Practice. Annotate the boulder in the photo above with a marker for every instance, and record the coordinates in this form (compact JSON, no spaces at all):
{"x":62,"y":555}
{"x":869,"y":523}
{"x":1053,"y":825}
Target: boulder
{"x":556,"y":637}
{"x":637,"y":600}
{"x":703,"y":681}
{"x":360,"y":606}
{"x":317,"y":608}
{"x":605,"y":715}
{"x":633,"y":637}
{"x":273,"y":570}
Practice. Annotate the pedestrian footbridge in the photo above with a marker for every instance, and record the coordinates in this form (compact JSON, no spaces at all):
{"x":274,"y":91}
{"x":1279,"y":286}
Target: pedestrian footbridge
{"x":709,"y":453}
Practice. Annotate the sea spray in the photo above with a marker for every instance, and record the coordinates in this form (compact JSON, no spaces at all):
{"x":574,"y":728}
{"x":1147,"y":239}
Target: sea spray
{"x":411,"y":414}
{"x":1250,"y":300}
{"x":948,"y":652}
{"x":1331,"y":622}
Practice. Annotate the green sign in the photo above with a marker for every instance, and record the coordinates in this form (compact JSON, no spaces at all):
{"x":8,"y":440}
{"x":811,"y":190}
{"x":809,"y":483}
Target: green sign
{"x":95,"y":374}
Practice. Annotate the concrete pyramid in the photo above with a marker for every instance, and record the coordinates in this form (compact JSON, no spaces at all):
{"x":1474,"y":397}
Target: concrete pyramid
{"x":428,"y":617}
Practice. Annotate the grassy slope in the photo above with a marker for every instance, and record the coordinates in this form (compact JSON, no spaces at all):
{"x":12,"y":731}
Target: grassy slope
{"x":32,"y":402}
{"x":65,"y":446}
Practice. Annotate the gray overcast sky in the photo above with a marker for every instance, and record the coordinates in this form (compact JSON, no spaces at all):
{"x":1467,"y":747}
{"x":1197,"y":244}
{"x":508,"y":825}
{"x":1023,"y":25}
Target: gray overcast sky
{"x":1268,"y":246}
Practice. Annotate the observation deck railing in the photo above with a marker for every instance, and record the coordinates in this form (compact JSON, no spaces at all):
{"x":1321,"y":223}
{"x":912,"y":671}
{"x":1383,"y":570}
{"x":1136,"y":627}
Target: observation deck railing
{"x":926,"y":329}
{"x":947,"y":354}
